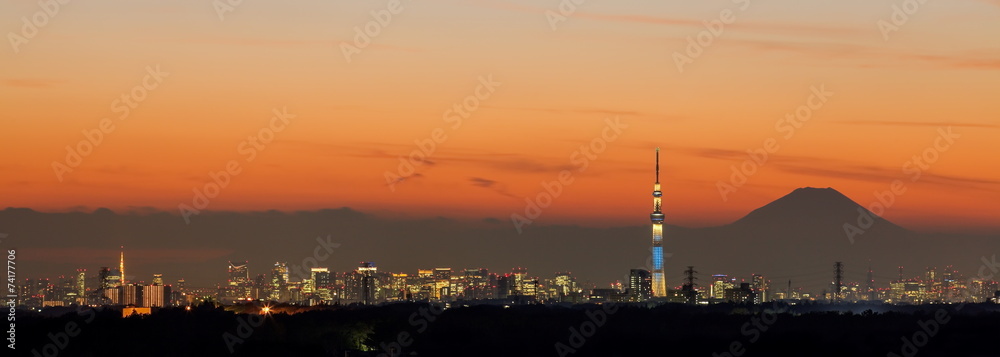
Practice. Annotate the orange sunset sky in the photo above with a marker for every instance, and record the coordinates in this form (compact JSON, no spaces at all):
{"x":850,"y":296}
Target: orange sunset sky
{"x":559,"y":81}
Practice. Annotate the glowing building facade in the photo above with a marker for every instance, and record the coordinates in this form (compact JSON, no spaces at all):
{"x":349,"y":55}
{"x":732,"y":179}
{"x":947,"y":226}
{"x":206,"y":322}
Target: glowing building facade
{"x":659,"y":281}
{"x":121,"y":266}
{"x":238,"y":285}
{"x":279,"y":282}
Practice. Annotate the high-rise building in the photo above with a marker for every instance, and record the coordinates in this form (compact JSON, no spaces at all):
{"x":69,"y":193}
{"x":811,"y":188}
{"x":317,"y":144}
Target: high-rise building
{"x":279,"y":282}
{"x":131,"y":295}
{"x":659,"y":280}
{"x":720,"y":282}
{"x":760,"y":287}
{"x":103,"y":278}
{"x":179,"y":296}
{"x":743,"y":294}
{"x":399,"y":287}
{"x":238,"y":285}
{"x":155,"y":295}
{"x":81,"y":282}
{"x":565,"y":285}
{"x":531,"y":288}
{"x":260,"y":287}
{"x":442,"y":283}
{"x":65,"y":293}
{"x":369,"y":287}
{"x":475,"y":284}
{"x":640,"y":285}
{"x":157,"y":279}
{"x":113,"y":296}
{"x":520,"y":276}
{"x":114,"y":278}
{"x":321,"y":283}
{"x":110,"y":284}
{"x":505,"y":285}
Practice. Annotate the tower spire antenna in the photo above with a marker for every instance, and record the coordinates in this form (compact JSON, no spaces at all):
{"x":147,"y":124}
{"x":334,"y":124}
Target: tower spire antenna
{"x":657,"y":165}
{"x":121,"y":266}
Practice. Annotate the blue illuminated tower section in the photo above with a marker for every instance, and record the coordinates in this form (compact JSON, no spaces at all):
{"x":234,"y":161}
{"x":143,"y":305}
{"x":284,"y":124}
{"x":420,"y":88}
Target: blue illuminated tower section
{"x":659,"y":282}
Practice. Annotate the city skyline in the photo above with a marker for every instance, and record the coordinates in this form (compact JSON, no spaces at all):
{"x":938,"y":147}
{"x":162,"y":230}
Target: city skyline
{"x":301,"y":285}
{"x":180,"y":258}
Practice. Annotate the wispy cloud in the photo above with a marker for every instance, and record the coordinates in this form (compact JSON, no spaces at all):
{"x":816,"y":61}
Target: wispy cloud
{"x":886,"y":175}
{"x":586,"y":111}
{"x":774,"y":28}
{"x":491,"y":185}
{"x":285,"y":42}
{"x":876,"y":57}
{"x":918,"y":123}
{"x":842,"y":169}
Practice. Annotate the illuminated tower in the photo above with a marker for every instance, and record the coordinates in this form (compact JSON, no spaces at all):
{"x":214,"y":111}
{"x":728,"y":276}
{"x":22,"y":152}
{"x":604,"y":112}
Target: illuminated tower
{"x":659,"y":282}
{"x":81,"y":277}
{"x":121,"y":266}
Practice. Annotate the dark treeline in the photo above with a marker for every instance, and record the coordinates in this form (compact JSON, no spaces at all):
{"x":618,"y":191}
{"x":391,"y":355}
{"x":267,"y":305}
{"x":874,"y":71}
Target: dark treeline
{"x":530,"y":330}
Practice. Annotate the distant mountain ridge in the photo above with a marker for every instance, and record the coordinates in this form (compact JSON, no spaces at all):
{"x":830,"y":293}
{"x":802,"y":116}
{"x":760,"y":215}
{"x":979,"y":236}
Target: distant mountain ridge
{"x":816,"y":208}
{"x":796,"y":237}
